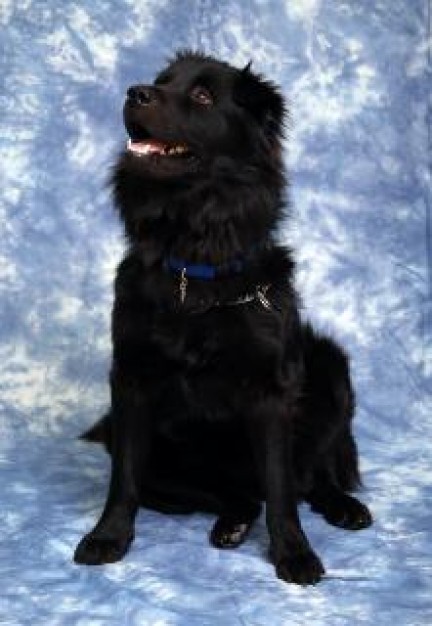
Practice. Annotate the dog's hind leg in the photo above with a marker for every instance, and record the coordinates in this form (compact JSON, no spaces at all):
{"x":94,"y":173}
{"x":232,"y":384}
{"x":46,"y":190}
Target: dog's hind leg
{"x":338,"y":474}
{"x":339,"y":508}
{"x":326,"y":447}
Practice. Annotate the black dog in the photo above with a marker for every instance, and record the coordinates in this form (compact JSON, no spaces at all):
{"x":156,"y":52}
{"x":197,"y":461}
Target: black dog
{"x":220,"y":399}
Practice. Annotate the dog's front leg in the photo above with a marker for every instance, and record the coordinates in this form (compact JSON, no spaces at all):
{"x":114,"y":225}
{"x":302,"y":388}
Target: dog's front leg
{"x":112,"y":535}
{"x":290,"y":551}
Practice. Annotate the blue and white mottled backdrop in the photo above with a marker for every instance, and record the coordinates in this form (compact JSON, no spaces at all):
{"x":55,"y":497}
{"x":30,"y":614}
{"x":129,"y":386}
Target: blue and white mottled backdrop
{"x":358,"y":75}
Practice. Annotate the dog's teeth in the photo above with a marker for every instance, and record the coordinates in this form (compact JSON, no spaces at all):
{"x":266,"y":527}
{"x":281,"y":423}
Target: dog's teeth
{"x":175,"y":150}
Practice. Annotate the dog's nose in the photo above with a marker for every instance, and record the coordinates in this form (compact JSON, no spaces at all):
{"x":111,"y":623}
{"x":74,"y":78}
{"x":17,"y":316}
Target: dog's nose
{"x":141,"y":94}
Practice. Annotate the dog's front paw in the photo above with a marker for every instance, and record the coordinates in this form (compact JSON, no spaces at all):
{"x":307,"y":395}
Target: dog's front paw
{"x":96,"y":550}
{"x":303,"y":569}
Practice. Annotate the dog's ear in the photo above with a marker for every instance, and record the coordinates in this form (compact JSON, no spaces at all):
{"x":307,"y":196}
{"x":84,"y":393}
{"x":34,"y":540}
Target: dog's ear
{"x":262,"y":99}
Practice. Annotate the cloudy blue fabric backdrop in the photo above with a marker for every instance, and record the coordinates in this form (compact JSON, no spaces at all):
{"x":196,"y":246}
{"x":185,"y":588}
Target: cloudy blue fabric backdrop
{"x":357,"y":74}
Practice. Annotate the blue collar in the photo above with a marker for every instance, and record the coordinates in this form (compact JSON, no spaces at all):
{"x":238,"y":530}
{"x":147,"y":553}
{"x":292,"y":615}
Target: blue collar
{"x":203,"y":271}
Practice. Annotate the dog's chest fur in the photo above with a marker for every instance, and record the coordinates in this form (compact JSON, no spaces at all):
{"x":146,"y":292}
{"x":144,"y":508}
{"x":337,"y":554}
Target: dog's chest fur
{"x":205,"y":361}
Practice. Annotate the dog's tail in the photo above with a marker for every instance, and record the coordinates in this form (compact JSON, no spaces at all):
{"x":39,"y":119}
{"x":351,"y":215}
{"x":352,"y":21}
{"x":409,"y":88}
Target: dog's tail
{"x":100,"y":432}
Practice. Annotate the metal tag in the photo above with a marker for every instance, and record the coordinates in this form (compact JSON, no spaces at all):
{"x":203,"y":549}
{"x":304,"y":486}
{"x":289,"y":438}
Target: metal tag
{"x":183,"y":285}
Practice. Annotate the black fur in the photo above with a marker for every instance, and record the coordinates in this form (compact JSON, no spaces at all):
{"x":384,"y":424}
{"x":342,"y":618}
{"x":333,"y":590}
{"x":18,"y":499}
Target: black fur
{"x":220,"y":398}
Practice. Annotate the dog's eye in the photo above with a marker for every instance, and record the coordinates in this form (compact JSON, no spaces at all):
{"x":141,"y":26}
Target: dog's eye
{"x":201,"y":95}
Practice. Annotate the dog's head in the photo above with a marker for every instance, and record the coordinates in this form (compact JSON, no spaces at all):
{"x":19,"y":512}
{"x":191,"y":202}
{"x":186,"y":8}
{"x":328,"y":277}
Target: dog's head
{"x":201,"y":115}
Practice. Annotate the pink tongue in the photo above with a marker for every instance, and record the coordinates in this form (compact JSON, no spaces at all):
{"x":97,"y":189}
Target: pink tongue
{"x":150,"y":146}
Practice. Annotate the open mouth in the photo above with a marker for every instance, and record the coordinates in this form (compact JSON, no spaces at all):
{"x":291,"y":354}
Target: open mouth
{"x":153,"y":147}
